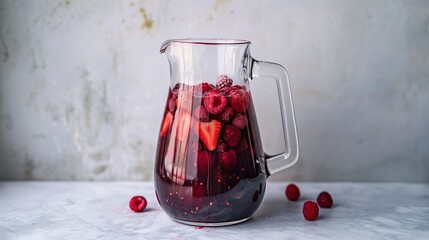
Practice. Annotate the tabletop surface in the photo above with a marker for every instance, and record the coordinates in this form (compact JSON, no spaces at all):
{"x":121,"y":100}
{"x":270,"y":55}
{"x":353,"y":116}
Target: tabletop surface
{"x":99,"y":210}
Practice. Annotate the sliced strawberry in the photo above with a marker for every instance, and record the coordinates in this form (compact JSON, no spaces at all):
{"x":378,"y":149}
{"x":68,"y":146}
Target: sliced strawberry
{"x":209,"y":133}
{"x":184,"y":124}
{"x":168,"y":119}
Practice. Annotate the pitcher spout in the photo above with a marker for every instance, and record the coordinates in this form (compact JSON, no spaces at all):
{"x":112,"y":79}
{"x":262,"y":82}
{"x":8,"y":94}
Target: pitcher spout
{"x":165,"y":46}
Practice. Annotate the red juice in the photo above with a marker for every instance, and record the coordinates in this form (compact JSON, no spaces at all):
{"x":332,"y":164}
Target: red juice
{"x":209,"y":162}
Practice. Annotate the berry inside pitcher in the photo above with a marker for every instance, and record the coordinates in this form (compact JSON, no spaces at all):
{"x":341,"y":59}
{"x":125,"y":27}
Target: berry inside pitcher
{"x":208,"y":163}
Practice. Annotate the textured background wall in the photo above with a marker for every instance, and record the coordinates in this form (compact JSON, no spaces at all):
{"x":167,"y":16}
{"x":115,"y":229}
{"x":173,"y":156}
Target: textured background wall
{"x":82,"y":83}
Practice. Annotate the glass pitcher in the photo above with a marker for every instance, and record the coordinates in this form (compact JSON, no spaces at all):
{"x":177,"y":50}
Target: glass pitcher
{"x":210,"y":167}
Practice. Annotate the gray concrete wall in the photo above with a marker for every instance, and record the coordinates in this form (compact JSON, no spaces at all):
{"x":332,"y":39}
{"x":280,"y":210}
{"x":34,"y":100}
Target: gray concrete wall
{"x":82,"y":84}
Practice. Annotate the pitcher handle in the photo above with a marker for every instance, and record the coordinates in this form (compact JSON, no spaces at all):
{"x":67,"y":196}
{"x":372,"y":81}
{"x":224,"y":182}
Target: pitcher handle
{"x":288,"y":158}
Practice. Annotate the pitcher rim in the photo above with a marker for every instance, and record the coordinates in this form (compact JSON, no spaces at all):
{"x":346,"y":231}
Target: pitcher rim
{"x":204,"y":41}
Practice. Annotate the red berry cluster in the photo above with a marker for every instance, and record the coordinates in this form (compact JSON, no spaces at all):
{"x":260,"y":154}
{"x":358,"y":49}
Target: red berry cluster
{"x":217,"y":115}
{"x":310,"y":209}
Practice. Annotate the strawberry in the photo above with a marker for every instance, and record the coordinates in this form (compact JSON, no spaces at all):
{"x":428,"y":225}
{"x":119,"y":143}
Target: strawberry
{"x":183,"y":126}
{"x":209,"y":133}
{"x":168,"y":119}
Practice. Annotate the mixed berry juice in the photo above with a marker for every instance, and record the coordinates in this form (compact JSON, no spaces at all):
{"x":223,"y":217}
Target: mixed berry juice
{"x":209,"y":165}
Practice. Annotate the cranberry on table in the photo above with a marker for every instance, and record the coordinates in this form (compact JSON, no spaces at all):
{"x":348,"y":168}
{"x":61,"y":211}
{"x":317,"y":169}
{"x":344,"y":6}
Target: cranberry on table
{"x":310,"y":210}
{"x":292,"y":192}
{"x":138,"y":203}
{"x":324,"y":200}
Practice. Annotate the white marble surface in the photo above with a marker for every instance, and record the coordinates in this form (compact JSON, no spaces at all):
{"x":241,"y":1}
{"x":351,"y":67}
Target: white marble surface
{"x":99,"y":210}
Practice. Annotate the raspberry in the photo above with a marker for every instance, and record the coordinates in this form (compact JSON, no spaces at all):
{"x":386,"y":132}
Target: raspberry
{"x":240,"y":121}
{"x":221,"y":148}
{"x":205,"y":162}
{"x":232,"y":88}
{"x":138,"y":203}
{"x":201,"y":113}
{"x":228,"y":160}
{"x":238,"y":99}
{"x":226,"y":115}
{"x":215,"y":102}
{"x":292,"y":192}
{"x":310,"y":210}
{"x":231,"y":135}
{"x":202,"y":88}
{"x":324,"y":200}
{"x":223,"y":82}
